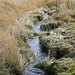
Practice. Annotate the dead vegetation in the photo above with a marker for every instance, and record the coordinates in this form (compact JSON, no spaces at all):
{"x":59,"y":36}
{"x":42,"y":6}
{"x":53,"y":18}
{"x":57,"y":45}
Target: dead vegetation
{"x":11,"y":33}
{"x":13,"y":36}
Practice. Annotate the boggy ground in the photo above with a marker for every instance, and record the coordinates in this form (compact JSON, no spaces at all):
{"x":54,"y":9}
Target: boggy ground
{"x":58,"y":41}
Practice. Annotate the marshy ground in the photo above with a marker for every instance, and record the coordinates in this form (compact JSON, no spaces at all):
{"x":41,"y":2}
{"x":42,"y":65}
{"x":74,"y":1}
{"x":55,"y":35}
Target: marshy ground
{"x":57,"y":36}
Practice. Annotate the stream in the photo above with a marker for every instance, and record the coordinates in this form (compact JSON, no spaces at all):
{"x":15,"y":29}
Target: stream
{"x":34,"y":44}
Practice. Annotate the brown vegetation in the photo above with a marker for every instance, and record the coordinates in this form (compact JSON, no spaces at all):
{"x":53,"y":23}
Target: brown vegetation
{"x":11,"y":33}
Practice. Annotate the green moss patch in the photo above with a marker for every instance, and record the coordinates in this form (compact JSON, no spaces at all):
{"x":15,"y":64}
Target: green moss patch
{"x":64,"y":66}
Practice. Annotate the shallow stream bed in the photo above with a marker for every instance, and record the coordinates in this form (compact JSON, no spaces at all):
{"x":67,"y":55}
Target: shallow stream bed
{"x":34,"y":44}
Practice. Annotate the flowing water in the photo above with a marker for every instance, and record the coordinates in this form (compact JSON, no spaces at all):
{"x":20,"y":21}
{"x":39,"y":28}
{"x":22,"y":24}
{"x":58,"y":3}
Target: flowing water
{"x":34,"y":44}
{"x":36,"y":27}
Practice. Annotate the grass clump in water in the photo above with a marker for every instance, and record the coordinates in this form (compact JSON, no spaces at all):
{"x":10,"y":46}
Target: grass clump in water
{"x":47,"y":68}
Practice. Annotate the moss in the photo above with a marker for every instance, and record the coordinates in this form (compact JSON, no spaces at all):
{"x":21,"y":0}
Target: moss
{"x":40,"y":18}
{"x":4,"y":73}
{"x":72,"y":14}
{"x":56,"y":48}
{"x":35,"y":34}
{"x":58,"y":51}
{"x":71,"y":33}
{"x":50,"y":26}
{"x":48,"y":33}
{"x":53,"y":25}
{"x":72,"y":20}
{"x":47,"y":68}
{"x":67,"y":73}
{"x":43,"y":27}
{"x":64,"y":66}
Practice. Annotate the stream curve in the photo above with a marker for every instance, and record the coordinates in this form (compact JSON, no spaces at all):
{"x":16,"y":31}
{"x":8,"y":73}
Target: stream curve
{"x":34,"y":44}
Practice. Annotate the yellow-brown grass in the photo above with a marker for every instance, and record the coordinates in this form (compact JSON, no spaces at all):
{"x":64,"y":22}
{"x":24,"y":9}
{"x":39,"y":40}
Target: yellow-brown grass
{"x":8,"y":45}
{"x":8,"y":49}
{"x":10,"y":10}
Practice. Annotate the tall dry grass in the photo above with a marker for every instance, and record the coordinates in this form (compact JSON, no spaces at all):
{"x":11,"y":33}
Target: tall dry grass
{"x":10,"y":10}
{"x":8,"y":49}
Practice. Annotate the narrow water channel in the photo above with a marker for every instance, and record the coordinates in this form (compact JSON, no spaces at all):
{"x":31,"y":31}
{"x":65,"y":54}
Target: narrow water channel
{"x":34,"y":44}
